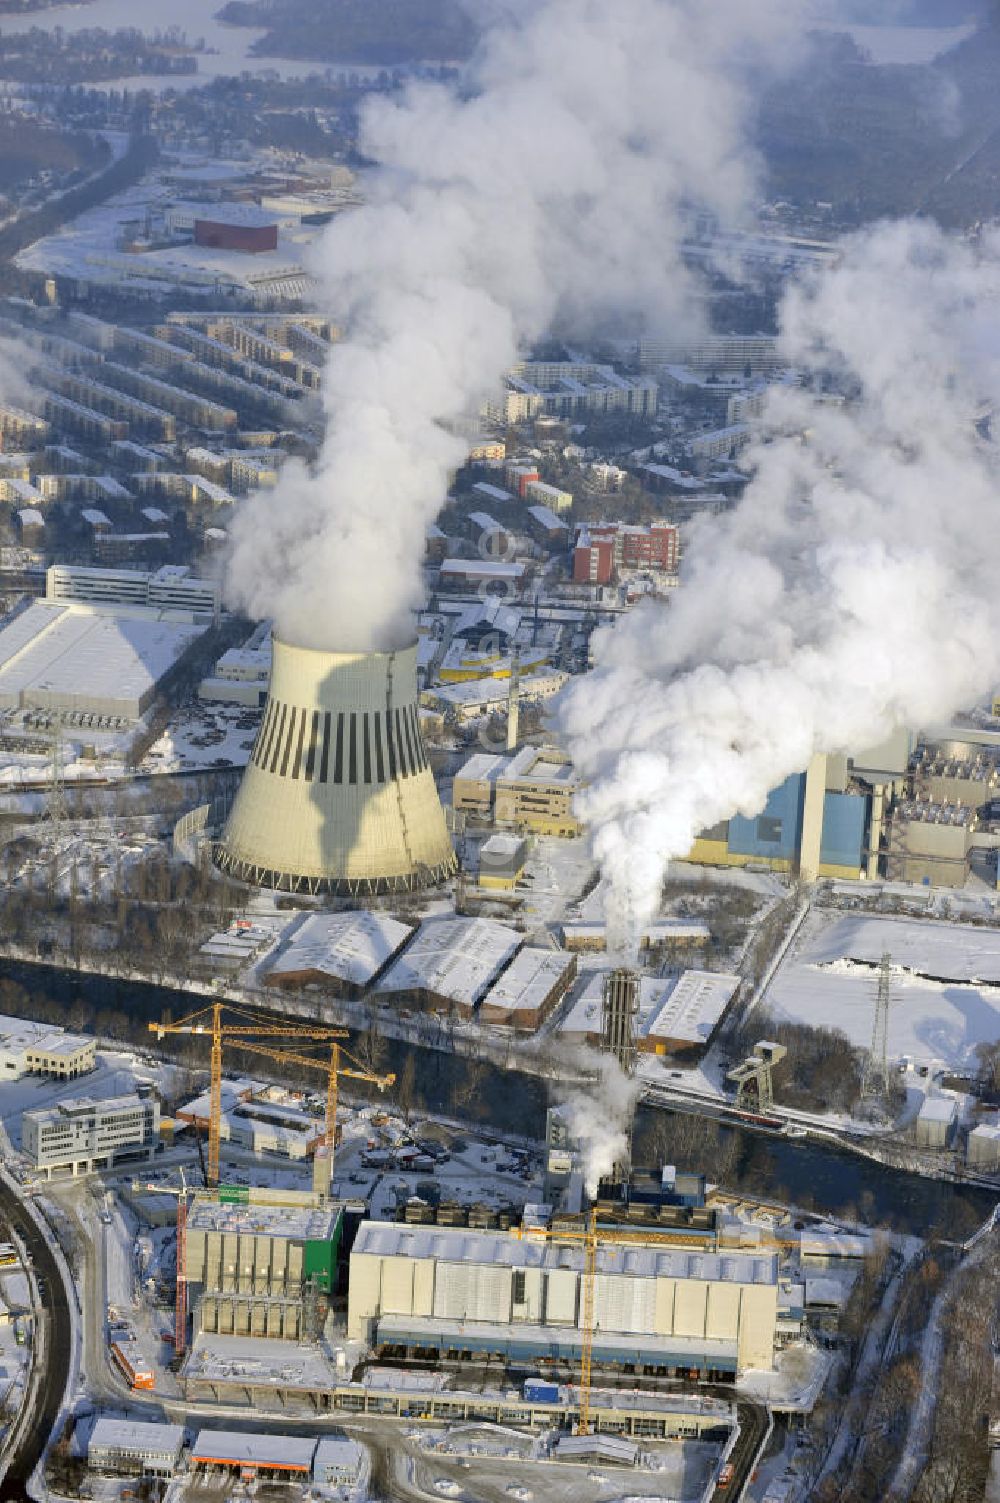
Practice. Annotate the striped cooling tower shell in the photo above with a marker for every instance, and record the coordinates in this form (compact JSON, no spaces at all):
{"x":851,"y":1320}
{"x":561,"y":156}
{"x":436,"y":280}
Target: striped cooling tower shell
{"x":338,"y":796}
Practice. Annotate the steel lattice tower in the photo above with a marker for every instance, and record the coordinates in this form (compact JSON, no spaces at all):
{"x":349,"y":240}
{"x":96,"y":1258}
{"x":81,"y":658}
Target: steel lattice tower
{"x":876,"y":1072}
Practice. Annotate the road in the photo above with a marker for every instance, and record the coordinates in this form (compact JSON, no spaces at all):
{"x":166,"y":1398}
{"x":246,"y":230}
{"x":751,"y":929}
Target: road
{"x":55,"y":1301}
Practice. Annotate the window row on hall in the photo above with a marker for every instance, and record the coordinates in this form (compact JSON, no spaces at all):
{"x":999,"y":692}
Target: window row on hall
{"x":350,"y":746}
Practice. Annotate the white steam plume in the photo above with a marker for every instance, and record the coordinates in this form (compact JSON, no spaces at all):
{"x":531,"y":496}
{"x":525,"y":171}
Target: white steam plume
{"x":599,"y":1118}
{"x":555,"y":185}
{"x":851,"y":591}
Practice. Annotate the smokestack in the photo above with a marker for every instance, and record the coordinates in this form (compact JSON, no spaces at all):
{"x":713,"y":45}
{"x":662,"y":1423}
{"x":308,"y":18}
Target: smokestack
{"x":513,"y":703}
{"x":338,"y":796}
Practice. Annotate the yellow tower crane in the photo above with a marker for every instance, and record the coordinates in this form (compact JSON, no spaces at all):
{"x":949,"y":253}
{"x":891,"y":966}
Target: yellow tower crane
{"x":593,"y":1237}
{"x":244,"y":1028}
{"x":332,"y":1069}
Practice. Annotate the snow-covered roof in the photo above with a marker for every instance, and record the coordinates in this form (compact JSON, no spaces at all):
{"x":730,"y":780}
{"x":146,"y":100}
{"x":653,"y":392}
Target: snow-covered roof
{"x":387,"y":1239}
{"x":938,"y":1109}
{"x":143,"y":1436}
{"x":299,"y":1223}
{"x":482,"y":768}
{"x":87,"y":655}
{"x":456,"y":958}
{"x":687,"y":1009}
{"x":240,"y":1449}
{"x":350,"y":947}
{"x":528,"y":979}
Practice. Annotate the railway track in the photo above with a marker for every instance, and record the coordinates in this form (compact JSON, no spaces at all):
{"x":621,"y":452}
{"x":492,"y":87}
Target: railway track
{"x":48,"y":1397}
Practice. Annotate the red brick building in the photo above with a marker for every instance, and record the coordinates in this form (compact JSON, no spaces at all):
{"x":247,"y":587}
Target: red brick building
{"x":603,"y":550}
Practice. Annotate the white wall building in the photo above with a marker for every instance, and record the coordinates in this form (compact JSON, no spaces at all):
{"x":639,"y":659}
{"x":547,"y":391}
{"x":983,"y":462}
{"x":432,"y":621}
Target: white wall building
{"x":28,"y":1048}
{"x":136,"y":1448}
{"x":491,"y":1292}
{"x":81,"y":1135}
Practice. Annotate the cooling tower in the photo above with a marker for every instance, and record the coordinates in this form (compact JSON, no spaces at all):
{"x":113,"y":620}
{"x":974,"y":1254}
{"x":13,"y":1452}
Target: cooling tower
{"x":338,"y":796}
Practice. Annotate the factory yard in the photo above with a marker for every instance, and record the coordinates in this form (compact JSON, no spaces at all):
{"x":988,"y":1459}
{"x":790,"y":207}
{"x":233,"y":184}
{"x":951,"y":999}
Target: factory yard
{"x":945,"y":983}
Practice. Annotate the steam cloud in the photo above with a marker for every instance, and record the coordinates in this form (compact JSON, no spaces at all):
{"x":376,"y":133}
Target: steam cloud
{"x":599,"y":1119}
{"x":852,"y":590}
{"x":556,"y":185}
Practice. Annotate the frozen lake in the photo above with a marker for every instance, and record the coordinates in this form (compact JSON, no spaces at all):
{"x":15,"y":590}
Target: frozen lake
{"x":230,"y":44}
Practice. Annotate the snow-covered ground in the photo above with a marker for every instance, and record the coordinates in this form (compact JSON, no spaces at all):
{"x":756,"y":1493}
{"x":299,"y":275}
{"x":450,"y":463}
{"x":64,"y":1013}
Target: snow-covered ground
{"x":204,"y":735}
{"x":945,"y":983}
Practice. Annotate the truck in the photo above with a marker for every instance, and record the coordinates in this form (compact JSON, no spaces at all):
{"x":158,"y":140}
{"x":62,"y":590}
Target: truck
{"x":539,"y":1391}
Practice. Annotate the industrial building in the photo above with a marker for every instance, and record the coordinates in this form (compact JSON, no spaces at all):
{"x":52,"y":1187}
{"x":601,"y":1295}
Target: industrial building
{"x":473,"y":787}
{"x":487,"y":696}
{"x":535,"y":792}
{"x":451,"y":963}
{"x":80,"y":1135}
{"x":282,"y":1457}
{"x":982,"y":1149}
{"x":805,"y":826}
{"x":930,"y":843}
{"x":676,"y":1017}
{"x":345,"y":953}
{"x":502,"y":859}
{"x":135,"y":1448}
{"x":457,"y":1291}
{"x":338,"y":795}
{"x":531,"y":791}
{"x":530,"y":987}
{"x":90,"y":660}
{"x":255,"y":1266}
{"x":28,"y":1048}
{"x":935,"y":1122}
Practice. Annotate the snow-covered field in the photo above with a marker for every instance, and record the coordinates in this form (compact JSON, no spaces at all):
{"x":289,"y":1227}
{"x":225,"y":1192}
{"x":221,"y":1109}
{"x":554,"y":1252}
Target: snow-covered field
{"x":945,"y":983}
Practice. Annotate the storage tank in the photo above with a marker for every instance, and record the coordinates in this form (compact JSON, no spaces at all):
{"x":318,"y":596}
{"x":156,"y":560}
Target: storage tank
{"x":338,"y":796}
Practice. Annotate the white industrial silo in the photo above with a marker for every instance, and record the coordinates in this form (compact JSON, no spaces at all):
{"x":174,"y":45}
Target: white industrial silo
{"x":338,"y":795}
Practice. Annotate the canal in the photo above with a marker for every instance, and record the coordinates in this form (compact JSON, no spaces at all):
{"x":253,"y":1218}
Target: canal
{"x":806,"y":1173}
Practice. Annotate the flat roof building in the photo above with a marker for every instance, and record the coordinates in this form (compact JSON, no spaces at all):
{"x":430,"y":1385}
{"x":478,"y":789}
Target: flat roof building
{"x":536,"y":790}
{"x":453,"y":1289}
{"x":82,"y":660}
{"x":233,"y":1450}
{"x":135,"y":1448}
{"x":81,"y":1135}
{"x":28,"y":1048}
{"x":254,"y":1263}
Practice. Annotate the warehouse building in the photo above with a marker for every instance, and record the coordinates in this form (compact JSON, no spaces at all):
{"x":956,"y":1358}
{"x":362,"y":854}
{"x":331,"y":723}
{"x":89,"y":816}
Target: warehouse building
{"x":451,"y":963}
{"x":86,"y":661}
{"x":254,"y":1264}
{"x":675,"y":1017}
{"x":282,"y":1457}
{"x":135,"y":1448}
{"x":345,"y":953}
{"x":80,"y":1135}
{"x":28,"y":1048}
{"x":457,"y":1291}
{"x":530,"y":987}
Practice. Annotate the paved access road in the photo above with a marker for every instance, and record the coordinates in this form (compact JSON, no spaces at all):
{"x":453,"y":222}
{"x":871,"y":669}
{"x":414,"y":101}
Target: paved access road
{"x":35,"y":1433}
